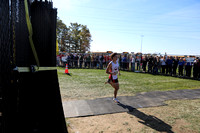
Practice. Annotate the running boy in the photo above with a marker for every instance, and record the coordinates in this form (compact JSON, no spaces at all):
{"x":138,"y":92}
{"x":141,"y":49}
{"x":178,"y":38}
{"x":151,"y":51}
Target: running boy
{"x":113,"y":71}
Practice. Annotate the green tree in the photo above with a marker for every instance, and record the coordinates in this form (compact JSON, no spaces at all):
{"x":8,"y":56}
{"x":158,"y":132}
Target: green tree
{"x":75,"y":34}
{"x":75,"y":38}
{"x":85,"y":39}
{"x":60,"y":30}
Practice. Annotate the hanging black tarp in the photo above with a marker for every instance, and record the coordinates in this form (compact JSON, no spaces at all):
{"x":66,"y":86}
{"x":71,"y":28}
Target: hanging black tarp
{"x":29,"y":101}
{"x":43,"y":19}
{"x":40,"y":106}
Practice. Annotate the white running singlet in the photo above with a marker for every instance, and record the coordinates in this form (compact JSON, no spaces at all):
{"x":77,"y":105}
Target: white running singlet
{"x":115,"y":69}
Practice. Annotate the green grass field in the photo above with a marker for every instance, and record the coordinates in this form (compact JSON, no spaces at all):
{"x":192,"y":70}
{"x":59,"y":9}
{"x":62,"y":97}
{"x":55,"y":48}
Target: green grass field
{"x":89,"y":83}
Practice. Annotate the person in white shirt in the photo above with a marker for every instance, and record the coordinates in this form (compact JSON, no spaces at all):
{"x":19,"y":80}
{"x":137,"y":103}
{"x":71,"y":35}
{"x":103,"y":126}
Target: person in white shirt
{"x":133,"y":64}
{"x":113,"y":71}
{"x":163,"y":65}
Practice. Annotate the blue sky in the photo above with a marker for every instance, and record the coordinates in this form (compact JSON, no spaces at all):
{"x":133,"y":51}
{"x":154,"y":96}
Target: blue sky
{"x":170,"y":26}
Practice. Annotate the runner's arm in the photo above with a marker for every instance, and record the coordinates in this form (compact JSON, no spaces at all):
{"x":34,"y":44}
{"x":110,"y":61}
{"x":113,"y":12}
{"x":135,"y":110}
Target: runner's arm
{"x":109,"y":68}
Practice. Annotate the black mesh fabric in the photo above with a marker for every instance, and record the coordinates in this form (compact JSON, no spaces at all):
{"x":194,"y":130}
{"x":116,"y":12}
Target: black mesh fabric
{"x":24,"y":105}
{"x":43,"y":19}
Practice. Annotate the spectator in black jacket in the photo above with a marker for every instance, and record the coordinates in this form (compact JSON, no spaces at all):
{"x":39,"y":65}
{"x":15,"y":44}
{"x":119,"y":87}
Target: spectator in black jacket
{"x":150,"y":64}
{"x":80,"y":60}
{"x":76,"y":61}
{"x":144,"y":63}
{"x":188,"y":67}
{"x":155,"y":65}
{"x":175,"y":64}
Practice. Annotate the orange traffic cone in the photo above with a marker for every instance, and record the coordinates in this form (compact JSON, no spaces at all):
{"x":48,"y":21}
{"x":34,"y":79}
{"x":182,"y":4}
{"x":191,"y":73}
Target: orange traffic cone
{"x":66,"y":69}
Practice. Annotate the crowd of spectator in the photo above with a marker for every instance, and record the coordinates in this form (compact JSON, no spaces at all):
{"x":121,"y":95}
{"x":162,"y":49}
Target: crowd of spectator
{"x":98,"y":61}
{"x":166,"y":65}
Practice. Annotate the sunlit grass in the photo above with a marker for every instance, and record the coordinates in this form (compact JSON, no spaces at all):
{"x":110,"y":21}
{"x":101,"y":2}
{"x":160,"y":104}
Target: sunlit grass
{"x":89,"y":83}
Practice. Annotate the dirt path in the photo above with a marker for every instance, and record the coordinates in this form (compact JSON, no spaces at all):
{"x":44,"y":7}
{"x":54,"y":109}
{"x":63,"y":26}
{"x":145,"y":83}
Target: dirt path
{"x":179,"y":117}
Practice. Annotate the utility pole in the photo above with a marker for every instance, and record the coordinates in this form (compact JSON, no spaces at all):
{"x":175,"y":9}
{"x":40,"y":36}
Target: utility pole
{"x":141,"y":51}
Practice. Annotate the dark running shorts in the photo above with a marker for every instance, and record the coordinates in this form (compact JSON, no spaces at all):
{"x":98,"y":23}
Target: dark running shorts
{"x":113,"y":80}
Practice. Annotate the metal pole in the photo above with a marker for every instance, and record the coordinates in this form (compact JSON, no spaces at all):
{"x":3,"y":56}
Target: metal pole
{"x":141,"y":51}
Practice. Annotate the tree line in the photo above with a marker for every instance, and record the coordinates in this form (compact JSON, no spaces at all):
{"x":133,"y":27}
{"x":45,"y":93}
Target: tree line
{"x":75,"y":38}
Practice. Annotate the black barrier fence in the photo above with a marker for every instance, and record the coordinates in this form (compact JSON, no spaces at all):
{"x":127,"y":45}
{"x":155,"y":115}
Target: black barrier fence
{"x":30,"y":101}
{"x":43,"y":19}
{"x":5,"y":60}
{"x":188,"y":71}
{"x":40,"y":103}
{"x":23,"y":53}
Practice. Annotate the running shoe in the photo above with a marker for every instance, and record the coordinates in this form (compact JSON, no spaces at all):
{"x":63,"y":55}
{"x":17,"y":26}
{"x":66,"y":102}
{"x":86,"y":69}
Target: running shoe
{"x":116,"y":100}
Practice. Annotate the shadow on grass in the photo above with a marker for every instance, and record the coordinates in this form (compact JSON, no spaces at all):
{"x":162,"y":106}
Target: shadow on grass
{"x":148,"y":120}
{"x":69,"y":74}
